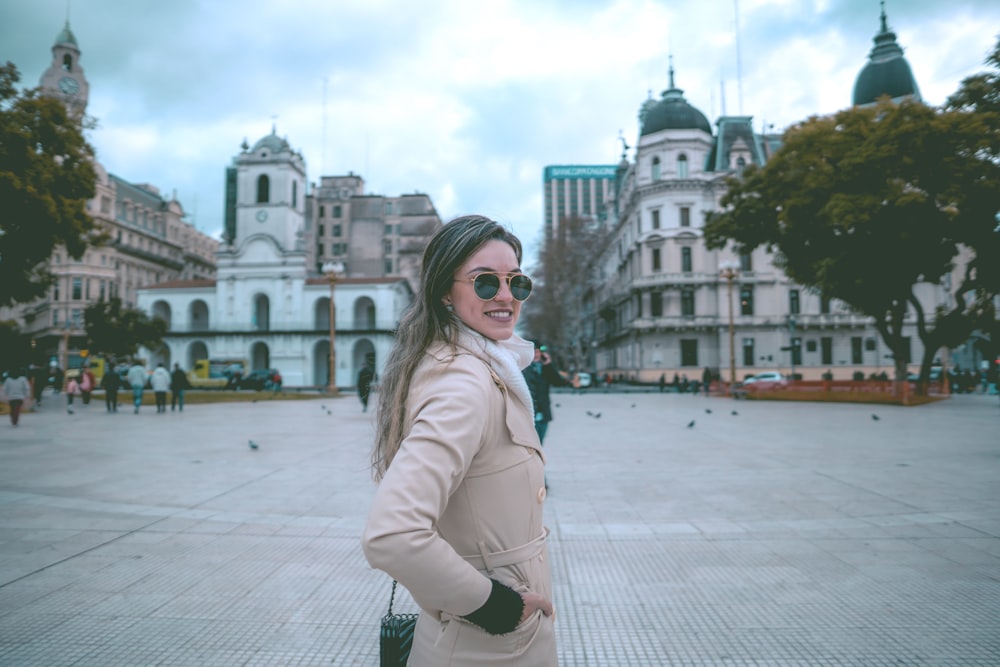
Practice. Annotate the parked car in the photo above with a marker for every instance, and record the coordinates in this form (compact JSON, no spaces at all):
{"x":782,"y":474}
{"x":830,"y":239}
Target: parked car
{"x":767,"y":378}
{"x":262,"y":378}
{"x":585,"y":380}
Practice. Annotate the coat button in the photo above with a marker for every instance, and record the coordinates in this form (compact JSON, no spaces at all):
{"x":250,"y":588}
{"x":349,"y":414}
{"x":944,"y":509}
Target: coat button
{"x":541,"y":494}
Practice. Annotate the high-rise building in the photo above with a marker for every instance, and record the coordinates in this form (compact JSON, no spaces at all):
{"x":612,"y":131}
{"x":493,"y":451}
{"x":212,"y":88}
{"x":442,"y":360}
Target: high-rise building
{"x":575,"y":191}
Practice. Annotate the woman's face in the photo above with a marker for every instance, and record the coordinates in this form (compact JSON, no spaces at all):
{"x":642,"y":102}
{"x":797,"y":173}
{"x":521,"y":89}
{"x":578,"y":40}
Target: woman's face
{"x":495,"y":318}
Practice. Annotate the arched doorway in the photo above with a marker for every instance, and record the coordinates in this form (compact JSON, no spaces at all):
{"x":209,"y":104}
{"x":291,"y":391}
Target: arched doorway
{"x":161,"y":310}
{"x":321,"y":314}
{"x":196,"y":352}
{"x":260,"y":357}
{"x":199,"y":316}
{"x":364,"y":313}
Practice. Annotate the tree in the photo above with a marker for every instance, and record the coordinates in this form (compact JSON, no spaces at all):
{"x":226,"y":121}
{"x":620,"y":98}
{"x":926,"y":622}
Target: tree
{"x":15,"y":347}
{"x":46,"y":177}
{"x":866,"y":204}
{"x":563,"y":277}
{"x":117,"y":332}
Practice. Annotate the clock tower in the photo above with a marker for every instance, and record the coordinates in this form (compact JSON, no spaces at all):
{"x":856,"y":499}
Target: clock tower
{"x":64,"y":78}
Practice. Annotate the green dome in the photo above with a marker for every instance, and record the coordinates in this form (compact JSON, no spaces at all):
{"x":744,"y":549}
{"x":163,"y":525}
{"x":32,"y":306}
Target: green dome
{"x":886,"y":72}
{"x":672,"y":112}
{"x":272,"y":143}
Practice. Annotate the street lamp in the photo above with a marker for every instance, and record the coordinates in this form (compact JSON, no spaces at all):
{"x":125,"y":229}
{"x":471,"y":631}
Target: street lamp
{"x":332,"y":270}
{"x":729,"y":271}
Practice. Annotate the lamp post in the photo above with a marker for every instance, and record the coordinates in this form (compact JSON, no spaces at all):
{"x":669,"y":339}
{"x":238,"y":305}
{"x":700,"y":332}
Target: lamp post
{"x":729,"y":272}
{"x":332,"y":270}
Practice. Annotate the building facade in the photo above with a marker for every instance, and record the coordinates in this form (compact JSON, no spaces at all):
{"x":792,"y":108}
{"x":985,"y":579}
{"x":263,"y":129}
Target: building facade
{"x":270,"y":304}
{"x":149,"y":238}
{"x":663,"y":298}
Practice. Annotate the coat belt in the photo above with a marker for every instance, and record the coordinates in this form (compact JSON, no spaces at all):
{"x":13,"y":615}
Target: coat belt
{"x":489,"y":560}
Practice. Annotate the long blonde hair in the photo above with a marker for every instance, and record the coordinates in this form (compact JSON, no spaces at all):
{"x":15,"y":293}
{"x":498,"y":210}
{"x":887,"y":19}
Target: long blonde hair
{"x":426,"y":321}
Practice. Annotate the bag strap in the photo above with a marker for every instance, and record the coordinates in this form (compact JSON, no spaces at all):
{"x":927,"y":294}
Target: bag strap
{"x":392,"y":596}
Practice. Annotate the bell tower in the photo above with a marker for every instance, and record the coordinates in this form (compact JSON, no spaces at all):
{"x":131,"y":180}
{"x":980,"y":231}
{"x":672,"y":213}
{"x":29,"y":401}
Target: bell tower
{"x":64,"y":78}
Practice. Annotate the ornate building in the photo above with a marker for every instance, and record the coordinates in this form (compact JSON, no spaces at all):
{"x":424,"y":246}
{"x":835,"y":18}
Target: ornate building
{"x":150,"y":241}
{"x":663,"y":299}
{"x":269,"y":306}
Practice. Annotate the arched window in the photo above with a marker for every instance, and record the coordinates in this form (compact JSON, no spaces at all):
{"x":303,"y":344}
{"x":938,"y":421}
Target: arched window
{"x":656,"y":168}
{"x":682,"y":166}
{"x":67,"y":62}
{"x":263,"y":189}
{"x":261,"y":313}
{"x":295,"y":194}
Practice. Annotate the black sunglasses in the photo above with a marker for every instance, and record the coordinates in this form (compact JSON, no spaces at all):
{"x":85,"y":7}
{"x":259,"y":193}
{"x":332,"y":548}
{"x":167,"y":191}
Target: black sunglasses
{"x":487,"y":285}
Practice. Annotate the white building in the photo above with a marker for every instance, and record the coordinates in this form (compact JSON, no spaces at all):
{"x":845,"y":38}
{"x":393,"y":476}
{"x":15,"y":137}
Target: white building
{"x":265,"y":306}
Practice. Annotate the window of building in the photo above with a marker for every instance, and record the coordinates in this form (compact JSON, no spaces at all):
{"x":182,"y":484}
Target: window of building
{"x":295,"y":194}
{"x":106,"y":205}
{"x":67,"y":62}
{"x":388,"y":266}
{"x":689,"y":352}
{"x":826,"y":350}
{"x":336,"y":230}
{"x":656,"y":168}
{"x":682,"y":166}
{"x":77,"y":289}
{"x":655,"y":304}
{"x":746,"y":300}
{"x":102,"y":292}
{"x":655,"y":218}
{"x":319,"y":230}
{"x":748,"y":353}
{"x":685,"y":216}
{"x":387,"y":247}
{"x":388,"y":208}
{"x":337,"y":211}
{"x":319,"y":249}
{"x":655,"y":252}
{"x":686,"y":259}
{"x":638,"y":305}
{"x":687,"y":302}
{"x":263,"y":189}
{"x":55,"y":290}
{"x":55,"y":318}
{"x":796,"y":351}
{"x":824,"y":305}
{"x":322,"y":211}
{"x":856,"y":349}
{"x":77,"y":318}
{"x":869,"y":344}
{"x":746,"y":262}
{"x":87,"y":289}
{"x":793,"y":302}
{"x":811,"y":345}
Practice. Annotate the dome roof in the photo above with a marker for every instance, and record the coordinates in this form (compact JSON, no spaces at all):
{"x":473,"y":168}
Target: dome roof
{"x":66,"y":37}
{"x":672,"y":112}
{"x":886,"y":72}
{"x":272,"y":143}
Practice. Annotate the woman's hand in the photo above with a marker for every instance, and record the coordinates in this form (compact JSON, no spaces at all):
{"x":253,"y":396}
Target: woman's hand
{"x":534,"y":601}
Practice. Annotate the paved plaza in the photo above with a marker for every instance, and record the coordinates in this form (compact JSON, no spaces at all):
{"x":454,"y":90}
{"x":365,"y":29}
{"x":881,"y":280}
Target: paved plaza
{"x":784,"y":534}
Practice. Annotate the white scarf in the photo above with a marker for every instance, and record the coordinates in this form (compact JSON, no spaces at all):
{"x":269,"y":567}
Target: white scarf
{"x":506,"y":357}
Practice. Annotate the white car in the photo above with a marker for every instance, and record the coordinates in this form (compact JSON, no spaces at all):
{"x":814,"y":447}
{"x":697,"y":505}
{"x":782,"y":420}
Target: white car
{"x":767,"y":377}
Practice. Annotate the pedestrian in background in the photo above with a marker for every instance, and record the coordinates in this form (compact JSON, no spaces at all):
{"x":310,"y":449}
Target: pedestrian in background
{"x":137,"y":380}
{"x":541,"y":375}
{"x":72,"y":390}
{"x":87,"y":384}
{"x":17,"y":390}
{"x":365,"y":385}
{"x":178,"y":385}
{"x":160,"y":382}
{"x":111,"y":383}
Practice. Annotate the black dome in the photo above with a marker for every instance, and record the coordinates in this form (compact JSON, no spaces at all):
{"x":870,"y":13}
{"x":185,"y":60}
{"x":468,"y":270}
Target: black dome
{"x":672,"y":112}
{"x":886,"y":73}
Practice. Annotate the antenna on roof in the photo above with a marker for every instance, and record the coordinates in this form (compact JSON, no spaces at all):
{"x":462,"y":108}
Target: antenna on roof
{"x":739,"y":60}
{"x":322,"y":164}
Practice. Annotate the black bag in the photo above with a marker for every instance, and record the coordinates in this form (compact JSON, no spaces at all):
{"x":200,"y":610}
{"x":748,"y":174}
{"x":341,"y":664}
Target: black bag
{"x":395,"y":636}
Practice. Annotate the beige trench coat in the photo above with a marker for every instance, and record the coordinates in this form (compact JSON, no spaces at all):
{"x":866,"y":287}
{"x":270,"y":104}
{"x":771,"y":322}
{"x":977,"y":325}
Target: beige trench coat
{"x":462,"y":502}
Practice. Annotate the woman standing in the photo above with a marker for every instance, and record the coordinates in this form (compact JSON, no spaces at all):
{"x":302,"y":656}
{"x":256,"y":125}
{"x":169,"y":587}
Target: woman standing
{"x":17,"y":390}
{"x":457,"y":516}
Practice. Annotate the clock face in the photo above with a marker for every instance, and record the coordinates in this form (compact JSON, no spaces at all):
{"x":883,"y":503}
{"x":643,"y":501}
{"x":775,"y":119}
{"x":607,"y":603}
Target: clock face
{"x":69,"y":85}
{"x":261,"y":215}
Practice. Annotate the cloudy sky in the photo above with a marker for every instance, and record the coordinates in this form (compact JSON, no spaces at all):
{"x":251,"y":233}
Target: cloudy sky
{"x":465,"y":101}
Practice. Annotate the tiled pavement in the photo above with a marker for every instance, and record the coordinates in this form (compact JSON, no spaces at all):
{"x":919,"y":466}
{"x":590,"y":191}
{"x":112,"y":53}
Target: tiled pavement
{"x":786,"y":534}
